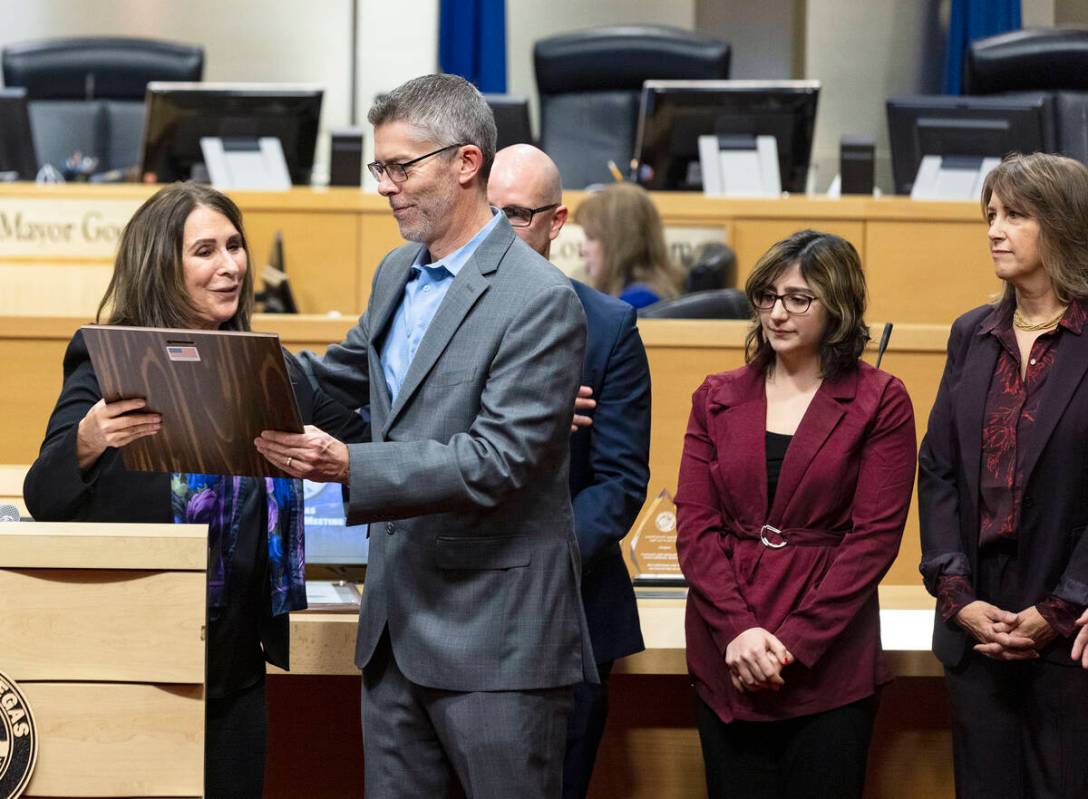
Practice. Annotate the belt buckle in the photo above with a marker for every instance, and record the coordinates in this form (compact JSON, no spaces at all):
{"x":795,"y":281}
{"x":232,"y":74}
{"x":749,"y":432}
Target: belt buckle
{"x":767,"y":542}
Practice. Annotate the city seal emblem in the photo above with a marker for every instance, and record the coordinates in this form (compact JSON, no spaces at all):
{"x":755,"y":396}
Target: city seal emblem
{"x":18,"y":740}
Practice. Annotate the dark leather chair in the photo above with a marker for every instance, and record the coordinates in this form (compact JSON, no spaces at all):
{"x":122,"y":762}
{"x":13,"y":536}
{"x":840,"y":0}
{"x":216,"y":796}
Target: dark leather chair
{"x":1052,"y":60}
{"x":714,"y":267}
{"x":590,"y":85}
{"x":713,"y":304}
{"x":87,"y":94}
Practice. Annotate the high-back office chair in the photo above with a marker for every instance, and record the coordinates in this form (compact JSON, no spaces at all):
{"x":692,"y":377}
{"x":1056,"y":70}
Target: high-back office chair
{"x":714,"y":267}
{"x":590,"y":83}
{"x":87,"y":94}
{"x":713,"y":304}
{"x":1053,"y":60}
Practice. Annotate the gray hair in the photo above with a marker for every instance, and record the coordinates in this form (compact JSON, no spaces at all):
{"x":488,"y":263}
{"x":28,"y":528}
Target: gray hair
{"x":447,"y":107}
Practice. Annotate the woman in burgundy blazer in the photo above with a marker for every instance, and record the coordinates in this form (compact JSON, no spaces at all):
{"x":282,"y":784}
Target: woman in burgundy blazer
{"x":1003,"y":495}
{"x":794,"y":487}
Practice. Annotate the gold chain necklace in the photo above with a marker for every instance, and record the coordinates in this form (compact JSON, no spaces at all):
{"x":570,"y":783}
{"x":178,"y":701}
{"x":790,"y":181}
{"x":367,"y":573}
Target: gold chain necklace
{"x":1018,"y":321}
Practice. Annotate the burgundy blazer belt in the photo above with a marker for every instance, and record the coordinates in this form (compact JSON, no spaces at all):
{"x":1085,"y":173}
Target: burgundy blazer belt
{"x":774,"y":538}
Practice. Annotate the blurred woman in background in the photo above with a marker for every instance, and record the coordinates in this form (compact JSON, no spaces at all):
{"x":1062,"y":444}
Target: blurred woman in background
{"x":624,"y":250}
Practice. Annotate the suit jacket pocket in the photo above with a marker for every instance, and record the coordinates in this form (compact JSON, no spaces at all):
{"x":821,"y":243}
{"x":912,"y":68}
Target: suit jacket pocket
{"x":482,"y":552}
{"x":450,"y":377}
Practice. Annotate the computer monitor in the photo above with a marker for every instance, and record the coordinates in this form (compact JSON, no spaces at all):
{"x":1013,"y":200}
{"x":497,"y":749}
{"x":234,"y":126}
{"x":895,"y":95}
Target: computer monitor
{"x":511,"y":119}
{"x":17,"y":154}
{"x":971,"y":127}
{"x":674,"y":114}
{"x":180,"y":114}
{"x":329,"y":540}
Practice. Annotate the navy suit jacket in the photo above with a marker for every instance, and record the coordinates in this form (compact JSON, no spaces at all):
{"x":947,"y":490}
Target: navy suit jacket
{"x":609,"y":470}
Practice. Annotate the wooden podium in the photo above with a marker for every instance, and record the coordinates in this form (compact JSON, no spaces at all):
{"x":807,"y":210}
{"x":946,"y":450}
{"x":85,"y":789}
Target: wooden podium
{"x":101,"y":626}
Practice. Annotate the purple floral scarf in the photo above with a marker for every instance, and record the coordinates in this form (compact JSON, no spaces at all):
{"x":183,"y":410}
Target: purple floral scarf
{"x":217,"y":500}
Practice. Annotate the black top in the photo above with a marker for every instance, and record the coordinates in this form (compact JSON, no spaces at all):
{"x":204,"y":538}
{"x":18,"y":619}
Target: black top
{"x":56,"y":490}
{"x":776,"y":446}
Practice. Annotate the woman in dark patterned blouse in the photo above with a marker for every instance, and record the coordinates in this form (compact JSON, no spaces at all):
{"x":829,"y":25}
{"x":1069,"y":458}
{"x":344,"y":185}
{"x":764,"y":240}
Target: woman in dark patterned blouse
{"x":1003,"y":493}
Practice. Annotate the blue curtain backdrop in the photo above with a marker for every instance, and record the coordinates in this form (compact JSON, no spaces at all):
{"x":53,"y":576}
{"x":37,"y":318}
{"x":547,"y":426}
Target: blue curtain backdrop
{"x":970,"y":20}
{"x":472,"y":42}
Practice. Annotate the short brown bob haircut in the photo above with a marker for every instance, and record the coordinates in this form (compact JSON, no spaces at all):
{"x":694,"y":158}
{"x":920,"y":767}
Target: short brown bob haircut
{"x":831,"y":267}
{"x":148,"y":284}
{"x":1052,"y":190}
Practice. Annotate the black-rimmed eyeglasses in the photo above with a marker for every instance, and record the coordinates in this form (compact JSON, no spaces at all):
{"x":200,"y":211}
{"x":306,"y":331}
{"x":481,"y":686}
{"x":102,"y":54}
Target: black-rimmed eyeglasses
{"x":793,"y":303}
{"x":398,"y":172}
{"x":520,"y":216}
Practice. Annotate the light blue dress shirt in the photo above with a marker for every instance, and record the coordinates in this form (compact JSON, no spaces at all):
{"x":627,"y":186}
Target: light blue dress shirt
{"x":426,"y":288}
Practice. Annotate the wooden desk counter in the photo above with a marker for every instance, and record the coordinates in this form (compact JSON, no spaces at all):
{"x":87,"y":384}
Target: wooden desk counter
{"x":926,"y":261}
{"x":681,"y":353}
{"x":324,"y":643}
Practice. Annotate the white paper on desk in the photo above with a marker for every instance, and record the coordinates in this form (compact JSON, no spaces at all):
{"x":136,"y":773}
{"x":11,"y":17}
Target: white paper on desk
{"x":330,"y":592}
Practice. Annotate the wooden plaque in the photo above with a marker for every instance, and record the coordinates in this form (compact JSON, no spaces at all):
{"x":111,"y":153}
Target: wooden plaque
{"x":216,"y":390}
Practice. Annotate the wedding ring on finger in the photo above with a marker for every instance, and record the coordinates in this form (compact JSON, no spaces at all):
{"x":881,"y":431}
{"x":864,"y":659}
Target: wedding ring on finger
{"x":289,"y":459}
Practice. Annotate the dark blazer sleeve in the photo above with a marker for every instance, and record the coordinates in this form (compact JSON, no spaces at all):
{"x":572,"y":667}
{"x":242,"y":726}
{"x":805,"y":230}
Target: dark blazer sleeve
{"x":321,"y":410}
{"x":55,"y":489}
{"x":711,"y":578}
{"x":938,"y":471}
{"x":619,"y":445}
{"x":879,"y":512}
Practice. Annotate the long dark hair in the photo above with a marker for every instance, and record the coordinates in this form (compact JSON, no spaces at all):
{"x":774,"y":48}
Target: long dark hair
{"x":147,"y":288}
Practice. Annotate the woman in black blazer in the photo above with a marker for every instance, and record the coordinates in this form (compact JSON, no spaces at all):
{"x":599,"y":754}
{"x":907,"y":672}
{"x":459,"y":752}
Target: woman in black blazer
{"x":1002,"y":494}
{"x":183,"y":262}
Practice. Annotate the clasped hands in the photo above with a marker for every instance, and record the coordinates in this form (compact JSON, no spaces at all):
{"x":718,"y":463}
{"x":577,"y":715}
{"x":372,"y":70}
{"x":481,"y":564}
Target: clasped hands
{"x":755,"y":660}
{"x":1004,"y":635}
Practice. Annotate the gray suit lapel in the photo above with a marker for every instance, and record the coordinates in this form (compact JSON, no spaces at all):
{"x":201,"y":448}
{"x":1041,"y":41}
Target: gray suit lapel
{"x":467,"y":288}
{"x":384,"y":308}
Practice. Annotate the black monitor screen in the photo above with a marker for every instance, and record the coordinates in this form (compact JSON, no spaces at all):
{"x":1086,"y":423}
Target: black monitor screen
{"x":978,"y":127}
{"x":511,"y":119}
{"x":675,"y":114}
{"x":180,"y":114}
{"x":16,"y":142}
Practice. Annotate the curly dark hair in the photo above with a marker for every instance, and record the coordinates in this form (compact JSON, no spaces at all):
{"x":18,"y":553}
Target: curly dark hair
{"x":832,"y":268}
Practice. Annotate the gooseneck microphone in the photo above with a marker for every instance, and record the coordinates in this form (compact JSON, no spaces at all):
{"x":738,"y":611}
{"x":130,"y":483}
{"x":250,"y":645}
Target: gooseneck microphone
{"x":885,"y":337}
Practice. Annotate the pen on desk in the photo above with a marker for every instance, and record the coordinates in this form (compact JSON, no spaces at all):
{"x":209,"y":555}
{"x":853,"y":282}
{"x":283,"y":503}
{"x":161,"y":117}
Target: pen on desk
{"x":615,"y":170}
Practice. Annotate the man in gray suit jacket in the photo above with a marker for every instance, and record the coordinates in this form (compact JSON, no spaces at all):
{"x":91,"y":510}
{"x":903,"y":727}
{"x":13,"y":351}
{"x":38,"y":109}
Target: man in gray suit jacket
{"x":468,"y":357}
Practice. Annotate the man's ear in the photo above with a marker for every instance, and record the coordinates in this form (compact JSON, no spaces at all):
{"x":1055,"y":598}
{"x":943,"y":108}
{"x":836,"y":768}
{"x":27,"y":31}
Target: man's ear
{"x":471,"y":161}
{"x":559,"y":218}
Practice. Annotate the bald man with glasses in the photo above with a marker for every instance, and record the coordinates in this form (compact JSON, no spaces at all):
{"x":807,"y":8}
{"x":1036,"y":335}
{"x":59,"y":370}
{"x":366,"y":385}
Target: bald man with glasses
{"x":609,"y":452}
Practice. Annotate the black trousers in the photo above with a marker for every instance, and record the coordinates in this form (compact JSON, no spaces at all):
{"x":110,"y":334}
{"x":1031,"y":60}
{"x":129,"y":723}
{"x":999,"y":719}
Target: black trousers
{"x":235,"y":743}
{"x":1019,"y":728}
{"x":585,"y":728}
{"x":809,"y":757}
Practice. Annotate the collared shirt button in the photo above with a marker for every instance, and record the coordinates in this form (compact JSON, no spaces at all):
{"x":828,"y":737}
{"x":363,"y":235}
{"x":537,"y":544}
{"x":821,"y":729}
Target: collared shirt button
{"x":390,"y":528}
{"x":1032,"y":361}
{"x":427,"y":287}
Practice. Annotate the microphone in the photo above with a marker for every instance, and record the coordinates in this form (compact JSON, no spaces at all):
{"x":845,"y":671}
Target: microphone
{"x":884,"y":339}
{"x":9,"y":513}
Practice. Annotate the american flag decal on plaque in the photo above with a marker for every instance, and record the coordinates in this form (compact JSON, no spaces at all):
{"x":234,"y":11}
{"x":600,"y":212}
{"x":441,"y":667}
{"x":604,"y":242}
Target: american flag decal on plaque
{"x":178,"y":352}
